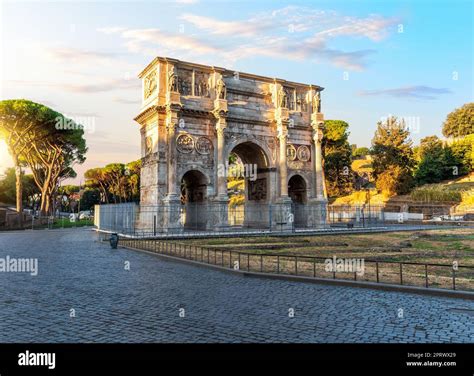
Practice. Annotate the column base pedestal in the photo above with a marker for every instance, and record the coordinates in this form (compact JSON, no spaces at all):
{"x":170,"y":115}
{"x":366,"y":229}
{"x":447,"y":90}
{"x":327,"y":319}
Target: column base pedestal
{"x":282,"y":218}
{"x":218,"y":214}
{"x":317,"y":213}
{"x":172,"y":215}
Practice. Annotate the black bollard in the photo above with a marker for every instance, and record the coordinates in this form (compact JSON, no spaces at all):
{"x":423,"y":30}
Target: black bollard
{"x":114,"y":239}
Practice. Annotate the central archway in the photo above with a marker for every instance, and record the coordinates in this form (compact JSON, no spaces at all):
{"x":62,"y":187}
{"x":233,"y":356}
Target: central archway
{"x":249,"y":182}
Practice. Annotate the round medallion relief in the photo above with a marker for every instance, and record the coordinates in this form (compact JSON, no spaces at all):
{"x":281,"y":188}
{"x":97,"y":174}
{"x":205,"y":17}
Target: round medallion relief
{"x":303,"y":153}
{"x":184,"y":143}
{"x":290,"y":152}
{"x":203,"y":145}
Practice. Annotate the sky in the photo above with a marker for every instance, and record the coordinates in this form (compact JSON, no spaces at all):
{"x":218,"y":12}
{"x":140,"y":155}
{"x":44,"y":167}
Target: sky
{"x":374,"y":58}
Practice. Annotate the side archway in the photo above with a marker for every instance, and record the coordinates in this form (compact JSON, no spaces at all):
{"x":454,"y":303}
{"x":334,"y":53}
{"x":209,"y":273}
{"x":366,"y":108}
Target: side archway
{"x":194,"y":200}
{"x":297,"y":190}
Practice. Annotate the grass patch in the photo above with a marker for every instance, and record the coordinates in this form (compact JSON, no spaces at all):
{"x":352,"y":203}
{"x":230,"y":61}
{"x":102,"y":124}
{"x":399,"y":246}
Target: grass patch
{"x":59,"y":223}
{"x":432,"y":246}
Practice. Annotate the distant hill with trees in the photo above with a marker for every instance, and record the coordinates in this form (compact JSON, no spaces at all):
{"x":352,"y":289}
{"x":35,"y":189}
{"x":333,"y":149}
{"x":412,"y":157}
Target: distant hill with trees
{"x":436,"y":170}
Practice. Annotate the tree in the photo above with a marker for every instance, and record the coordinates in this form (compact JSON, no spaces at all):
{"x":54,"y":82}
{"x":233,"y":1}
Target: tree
{"x":8,"y":187}
{"x":95,"y":178}
{"x":66,"y":194}
{"x":68,"y":189}
{"x":431,"y":166}
{"x":17,"y":118}
{"x":394,"y":181}
{"x":337,"y":154}
{"x":437,"y":162}
{"x":116,"y":181}
{"x":460,"y":122}
{"x":114,"y":175}
{"x":392,"y":148}
{"x":133,"y":172}
{"x":36,"y":140}
{"x":360,"y":152}
{"x":89,"y":198}
{"x":461,"y":154}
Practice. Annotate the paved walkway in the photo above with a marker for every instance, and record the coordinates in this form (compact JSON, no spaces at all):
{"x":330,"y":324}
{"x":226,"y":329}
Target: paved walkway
{"x":112,"y":304}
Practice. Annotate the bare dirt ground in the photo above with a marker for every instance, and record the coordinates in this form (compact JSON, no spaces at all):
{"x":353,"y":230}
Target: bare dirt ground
{"x":443,"y":246}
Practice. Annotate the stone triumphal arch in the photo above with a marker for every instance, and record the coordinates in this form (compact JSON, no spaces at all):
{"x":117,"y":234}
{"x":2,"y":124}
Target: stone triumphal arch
{"x":193,"y":117}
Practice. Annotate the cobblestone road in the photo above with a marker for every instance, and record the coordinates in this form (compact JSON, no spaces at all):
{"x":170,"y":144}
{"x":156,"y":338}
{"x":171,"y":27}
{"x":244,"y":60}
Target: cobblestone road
{"x":143,"y":304}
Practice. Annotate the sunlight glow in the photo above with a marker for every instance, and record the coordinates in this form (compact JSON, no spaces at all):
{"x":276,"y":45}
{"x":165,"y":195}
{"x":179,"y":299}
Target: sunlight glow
{"x":5,"y":159}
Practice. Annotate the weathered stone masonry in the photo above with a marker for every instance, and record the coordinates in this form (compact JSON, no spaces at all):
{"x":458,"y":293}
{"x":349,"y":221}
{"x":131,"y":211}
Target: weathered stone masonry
{"x":193,"y":116}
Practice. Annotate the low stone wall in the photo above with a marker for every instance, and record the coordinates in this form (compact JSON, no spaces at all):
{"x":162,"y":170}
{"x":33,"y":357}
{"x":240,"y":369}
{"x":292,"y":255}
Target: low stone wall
{"x":403,"y":216}
{"x":11,"y":220}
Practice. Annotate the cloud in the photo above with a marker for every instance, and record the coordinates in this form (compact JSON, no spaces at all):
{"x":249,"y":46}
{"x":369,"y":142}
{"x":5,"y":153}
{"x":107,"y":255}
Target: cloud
{"x":246,"y":28}
{"x":96,"y":87}
{"x":149,"y":41}
{"x":74,"y":55}
{"x":374,"y":27}
{"x":418,"y":92}
{"x":290,"y":33}
{"x":295,"y":19}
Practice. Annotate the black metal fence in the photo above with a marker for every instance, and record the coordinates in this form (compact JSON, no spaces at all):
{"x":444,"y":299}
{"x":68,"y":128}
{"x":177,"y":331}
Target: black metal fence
{"x":453,"y":277}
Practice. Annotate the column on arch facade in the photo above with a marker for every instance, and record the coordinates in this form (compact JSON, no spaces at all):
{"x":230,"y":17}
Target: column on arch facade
{"x":219,"y":204}
{"x":172,"y":203}
{"x":171,"y":125}
{"x":318,"y":206}
{"x":221,"y":125}
{"x":282,"y":134}
{"x":281,"y":214}
{"x":318,"y":128}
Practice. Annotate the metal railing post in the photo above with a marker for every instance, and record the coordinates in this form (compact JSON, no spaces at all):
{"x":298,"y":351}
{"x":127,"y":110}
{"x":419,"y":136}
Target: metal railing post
{"x":401,"y":273}
{"x":377,"y":271}
{"x":426,"y":275}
